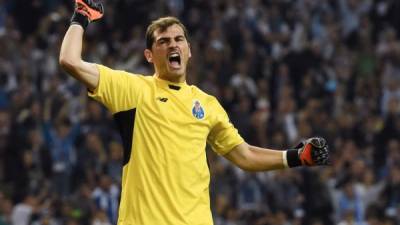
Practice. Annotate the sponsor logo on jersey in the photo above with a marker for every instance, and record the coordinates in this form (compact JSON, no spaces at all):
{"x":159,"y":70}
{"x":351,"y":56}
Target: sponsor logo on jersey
{"x":162,"y":99}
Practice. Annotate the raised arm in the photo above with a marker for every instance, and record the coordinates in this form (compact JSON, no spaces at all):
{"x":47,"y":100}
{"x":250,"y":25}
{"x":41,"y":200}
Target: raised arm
{"x":86,"y":11}
{"x":311,"y":152}
{"x":71,"y":60}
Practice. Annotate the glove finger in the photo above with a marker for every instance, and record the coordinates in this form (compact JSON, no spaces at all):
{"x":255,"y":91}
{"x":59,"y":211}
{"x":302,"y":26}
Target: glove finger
{"x":99,"y":7}
{"x":321,"y":156}
{"x":88,"y":2}
{"x":82,"y":9}
{"x":95,"y":5}
{"x":317,"y":142}
{"x":92,"y":10}
{"x":95,"y":15}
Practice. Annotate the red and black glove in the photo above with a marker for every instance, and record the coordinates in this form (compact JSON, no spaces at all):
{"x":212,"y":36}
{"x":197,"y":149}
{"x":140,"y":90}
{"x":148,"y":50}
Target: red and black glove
{"x":87,"y":11}
{"x":311,"y":152}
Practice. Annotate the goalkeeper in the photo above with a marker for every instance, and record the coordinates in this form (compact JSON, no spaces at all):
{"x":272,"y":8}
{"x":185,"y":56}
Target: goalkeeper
{"x":165,"y":125}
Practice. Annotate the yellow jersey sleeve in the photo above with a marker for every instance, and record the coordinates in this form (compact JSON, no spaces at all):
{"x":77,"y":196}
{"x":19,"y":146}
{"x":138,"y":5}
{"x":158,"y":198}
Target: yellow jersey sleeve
{"x":117,"y":90}
{"x":223,"y":136}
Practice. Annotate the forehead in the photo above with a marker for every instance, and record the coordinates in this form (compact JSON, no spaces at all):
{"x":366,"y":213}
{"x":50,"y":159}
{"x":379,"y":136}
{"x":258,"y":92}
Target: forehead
{"x":171,"y":31}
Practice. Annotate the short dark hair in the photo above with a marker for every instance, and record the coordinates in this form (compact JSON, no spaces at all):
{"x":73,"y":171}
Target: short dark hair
{"x":162,"y":23}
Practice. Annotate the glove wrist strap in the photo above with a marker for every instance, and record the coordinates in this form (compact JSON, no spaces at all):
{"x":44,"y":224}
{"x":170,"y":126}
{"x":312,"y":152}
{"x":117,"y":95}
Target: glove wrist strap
{"x":292,"y":158}
{"x":80,"y":19}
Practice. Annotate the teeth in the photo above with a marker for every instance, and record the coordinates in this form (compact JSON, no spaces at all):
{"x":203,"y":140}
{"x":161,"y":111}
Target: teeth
{"x":174,"y":55}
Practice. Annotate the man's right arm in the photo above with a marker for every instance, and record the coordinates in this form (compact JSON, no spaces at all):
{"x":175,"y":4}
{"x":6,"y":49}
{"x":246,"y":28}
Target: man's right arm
{"x":71,"y":60}
{"x":86,"y":11}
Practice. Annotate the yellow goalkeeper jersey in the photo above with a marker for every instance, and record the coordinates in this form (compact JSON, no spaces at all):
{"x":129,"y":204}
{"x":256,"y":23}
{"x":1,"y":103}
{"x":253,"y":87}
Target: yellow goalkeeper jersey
{"x":164,"y":127}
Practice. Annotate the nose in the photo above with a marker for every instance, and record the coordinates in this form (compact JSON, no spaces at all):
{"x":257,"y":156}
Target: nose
{"x":172,"y":44}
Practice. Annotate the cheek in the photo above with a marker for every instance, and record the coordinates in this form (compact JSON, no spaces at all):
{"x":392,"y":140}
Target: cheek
{"x":187,"y":52}
{"x":158,"y":57}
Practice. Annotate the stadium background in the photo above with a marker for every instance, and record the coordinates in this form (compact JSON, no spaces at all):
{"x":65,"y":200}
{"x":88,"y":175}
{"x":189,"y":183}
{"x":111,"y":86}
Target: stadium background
{"x":282,"y":69}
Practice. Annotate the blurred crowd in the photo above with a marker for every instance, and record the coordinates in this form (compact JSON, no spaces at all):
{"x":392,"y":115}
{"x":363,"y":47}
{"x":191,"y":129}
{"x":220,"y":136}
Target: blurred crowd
{"x":283,"y":70}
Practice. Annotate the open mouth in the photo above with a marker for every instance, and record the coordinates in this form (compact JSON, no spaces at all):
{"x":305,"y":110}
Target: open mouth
{"x":174,"y":60}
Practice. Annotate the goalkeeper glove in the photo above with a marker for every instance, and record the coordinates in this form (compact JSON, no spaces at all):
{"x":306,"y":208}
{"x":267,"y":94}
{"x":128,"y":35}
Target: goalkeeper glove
{"x":311,"y":152}
{"x":86,"y":11}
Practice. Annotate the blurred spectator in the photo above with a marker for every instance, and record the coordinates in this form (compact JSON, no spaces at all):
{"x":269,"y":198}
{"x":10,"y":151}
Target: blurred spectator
{"x":100,"y":218}
{"x":351,"y":207}
{"x":106,"y":196}
{"x":114,"y":164}
{"x":391,"y":194}
{"x":249,"y":196}
{"x":22,"y":212}
{"x":6,"y":207}
{"x":61,"y":140}
{"x":83,"y":204}
{"x":91,"y":157}
{"x":242,"y":81}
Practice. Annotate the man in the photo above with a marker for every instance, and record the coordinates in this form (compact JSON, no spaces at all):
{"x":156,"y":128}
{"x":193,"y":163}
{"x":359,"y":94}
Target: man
{"x":165,"y":125}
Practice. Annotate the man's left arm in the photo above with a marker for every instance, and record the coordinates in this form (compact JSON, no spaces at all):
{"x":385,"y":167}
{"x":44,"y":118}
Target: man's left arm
{"x":311,"y":152}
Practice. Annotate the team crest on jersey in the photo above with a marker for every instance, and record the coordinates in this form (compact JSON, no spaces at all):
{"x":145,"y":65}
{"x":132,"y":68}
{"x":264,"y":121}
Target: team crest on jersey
{"x":197,"y":110}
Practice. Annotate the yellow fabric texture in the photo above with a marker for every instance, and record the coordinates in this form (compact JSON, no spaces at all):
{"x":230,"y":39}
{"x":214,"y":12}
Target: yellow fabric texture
{"x":166,"y":181}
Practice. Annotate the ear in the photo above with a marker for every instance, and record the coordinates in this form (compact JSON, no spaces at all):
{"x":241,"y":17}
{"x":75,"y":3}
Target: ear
{"x":148,"y":55}
{"x":190,"y":51}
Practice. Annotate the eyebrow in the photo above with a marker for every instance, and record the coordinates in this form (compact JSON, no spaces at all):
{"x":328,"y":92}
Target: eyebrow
{"x":167,"y":38}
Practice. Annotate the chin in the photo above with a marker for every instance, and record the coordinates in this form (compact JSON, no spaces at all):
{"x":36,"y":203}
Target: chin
{"x":177,"y":73}
{"x":177,"y":76}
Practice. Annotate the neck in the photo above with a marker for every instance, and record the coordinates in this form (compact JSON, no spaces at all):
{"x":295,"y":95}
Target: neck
{"x":173,"y":79}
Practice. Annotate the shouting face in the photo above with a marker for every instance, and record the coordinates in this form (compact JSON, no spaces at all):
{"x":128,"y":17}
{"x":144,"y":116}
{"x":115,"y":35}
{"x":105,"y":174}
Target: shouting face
{"x":169,"y":53}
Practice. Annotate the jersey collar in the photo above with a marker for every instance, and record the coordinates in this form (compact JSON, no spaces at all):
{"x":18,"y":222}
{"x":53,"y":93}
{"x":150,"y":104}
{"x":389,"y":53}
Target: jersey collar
{"x":172,"y":86}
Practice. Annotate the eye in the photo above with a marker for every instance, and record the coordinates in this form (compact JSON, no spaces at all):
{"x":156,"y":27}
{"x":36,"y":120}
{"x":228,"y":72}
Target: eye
{"x":163,"y":41}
